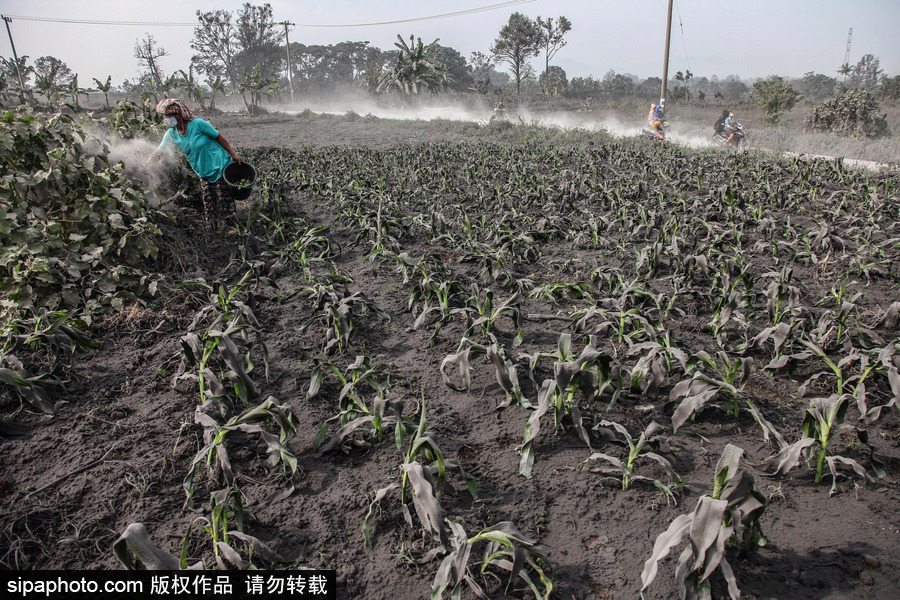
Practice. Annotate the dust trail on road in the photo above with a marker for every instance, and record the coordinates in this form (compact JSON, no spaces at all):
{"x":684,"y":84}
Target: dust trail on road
{"x":692,"y":134}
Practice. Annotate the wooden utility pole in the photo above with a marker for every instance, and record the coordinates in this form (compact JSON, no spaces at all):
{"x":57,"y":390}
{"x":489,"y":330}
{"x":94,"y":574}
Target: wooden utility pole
{"x":287,"y":44}
{"x":15,"y":56}
{"x":665,"y":77}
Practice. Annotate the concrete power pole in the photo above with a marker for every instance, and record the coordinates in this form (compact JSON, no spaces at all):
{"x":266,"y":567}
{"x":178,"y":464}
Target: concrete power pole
{"x":15,"y":56}
{"x":287,"y":44}
{"x":665,"y":77}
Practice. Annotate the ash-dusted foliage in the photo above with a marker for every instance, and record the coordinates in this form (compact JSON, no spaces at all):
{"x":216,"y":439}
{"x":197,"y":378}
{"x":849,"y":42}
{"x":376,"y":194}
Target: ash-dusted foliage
{"x":75,"y":231}
{"x":729,"y":516}
{"x":633,"y":308}
{"x":852,"y":112}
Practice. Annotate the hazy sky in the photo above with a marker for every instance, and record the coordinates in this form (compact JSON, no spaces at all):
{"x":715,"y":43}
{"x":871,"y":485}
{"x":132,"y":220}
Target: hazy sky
{"x":749,"y":38}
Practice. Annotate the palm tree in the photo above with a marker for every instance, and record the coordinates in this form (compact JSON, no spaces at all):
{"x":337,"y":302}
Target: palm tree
{"x":845,"y":70}
{"x":413,"y":71}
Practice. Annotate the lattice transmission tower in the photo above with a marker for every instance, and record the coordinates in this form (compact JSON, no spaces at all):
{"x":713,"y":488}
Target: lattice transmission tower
{"x":845,"y":66}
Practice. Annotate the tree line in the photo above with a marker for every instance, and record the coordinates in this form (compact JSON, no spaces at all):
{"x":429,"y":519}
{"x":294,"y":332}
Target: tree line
{"x":243,"y":53}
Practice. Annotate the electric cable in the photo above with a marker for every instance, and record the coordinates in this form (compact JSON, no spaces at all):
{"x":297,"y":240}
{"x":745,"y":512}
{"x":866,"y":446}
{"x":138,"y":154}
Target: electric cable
{"x":98,"y":22}
{"x":507,"y":4}
{"x":469,"y":11}
{"x":683,"y":43}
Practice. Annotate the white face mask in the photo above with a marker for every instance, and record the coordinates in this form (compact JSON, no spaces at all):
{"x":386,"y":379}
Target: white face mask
{"x":170,"y":122}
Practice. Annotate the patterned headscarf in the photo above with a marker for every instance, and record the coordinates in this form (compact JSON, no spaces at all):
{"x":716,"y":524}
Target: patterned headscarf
{"x":163,"y":106}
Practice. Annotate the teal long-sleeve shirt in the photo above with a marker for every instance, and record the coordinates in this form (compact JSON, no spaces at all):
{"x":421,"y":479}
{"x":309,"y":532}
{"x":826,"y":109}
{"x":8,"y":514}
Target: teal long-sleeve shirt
{"x":206,"y":156}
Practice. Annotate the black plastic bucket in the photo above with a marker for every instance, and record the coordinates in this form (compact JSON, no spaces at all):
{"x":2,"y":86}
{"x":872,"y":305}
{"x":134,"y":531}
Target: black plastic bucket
{"x":236,"y":172}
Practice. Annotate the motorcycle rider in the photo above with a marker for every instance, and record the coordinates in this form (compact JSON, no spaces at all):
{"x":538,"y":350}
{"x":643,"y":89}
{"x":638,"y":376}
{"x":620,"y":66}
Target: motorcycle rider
{"x":732,"y":125}
{"x":720,"y":123}
{"x":655,"y":117}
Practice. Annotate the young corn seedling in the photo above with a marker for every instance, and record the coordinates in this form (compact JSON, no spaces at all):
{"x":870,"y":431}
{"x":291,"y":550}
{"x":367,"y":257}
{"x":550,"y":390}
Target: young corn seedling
{"x":197,"y":352}
{"x":422,"y":484}
{"x":58,"y":334}
{"x":354,"y":413}
{"x":781,"y":336}
{"x":340,"y":311}
{"x":729,"y":297}
{"x":225,"y":506}
{"x":481,"y":307}
{"x":725,"y":309}
{"x":403,"y":262}
{"x":630,"y":325}
{"x":558,"y":292}
{"x":311,"y":246}
{"x":493,"y":261}
{"x":745,"y":503}
{"x":32,"y":388}
{"x":241,"y":330}
{"x":591,"y":369}
{"x":227,"y":511}
{"x":51,"y":339}
{"x":135,"y":549}
{"x":224,"y":302}
{"x":504,"y":369}
{"x":361,"y":417}
{"x":695,"y":392}
{"x":587,"y":373}
{"x":436,"y":302}
{"x":360,"y":377}
{"x":823,"y":420}
{"x":650,"y":371}
{"x":507,"y":549}
{"x":782,"y":298}
{"x":840,"y":369}
{"x":884,"y":366}
{"x":834,"y":328}
{"x":650,"y":258}
{"x":599,"y":373}
{"x":731,"y":513}
{"x":273,"y":422}
{"x":563,"y":354}
{"x":646,"y":446}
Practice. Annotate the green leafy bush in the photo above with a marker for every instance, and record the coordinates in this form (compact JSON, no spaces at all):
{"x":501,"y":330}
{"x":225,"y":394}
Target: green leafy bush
{"x":75,"y":231}
{"x":852,"y":112}
{"x":775,"y":96}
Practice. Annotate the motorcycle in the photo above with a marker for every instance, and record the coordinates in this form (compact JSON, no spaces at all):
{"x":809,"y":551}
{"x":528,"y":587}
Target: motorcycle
{"x":737,"y":142}
{"x":657,"y":135}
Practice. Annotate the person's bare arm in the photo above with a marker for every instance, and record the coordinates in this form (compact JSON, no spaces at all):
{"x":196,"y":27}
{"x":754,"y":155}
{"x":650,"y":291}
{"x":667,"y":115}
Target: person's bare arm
{"x":224,"y":143}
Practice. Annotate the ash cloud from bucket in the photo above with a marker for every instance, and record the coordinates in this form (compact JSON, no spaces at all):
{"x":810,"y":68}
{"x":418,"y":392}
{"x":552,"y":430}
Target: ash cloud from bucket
{"x":154,"y":175}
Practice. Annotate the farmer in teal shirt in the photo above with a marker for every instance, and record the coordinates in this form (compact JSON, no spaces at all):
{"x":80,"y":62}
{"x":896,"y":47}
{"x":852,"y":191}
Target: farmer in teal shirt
{"x":208,"y":154}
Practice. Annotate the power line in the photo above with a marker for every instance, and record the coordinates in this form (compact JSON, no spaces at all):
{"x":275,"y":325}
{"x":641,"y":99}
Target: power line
{"x":683,"y":43}
{"x":97,"y":22}
{"x":469,"y":11}
{"x":507,"y":4}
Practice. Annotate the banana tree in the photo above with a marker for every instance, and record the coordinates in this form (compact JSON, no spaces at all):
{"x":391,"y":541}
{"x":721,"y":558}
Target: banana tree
{"x":193,"y":87}
{"x":216,"y":86}
{"x":104,"y":87}
{"x":414,"y":71}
